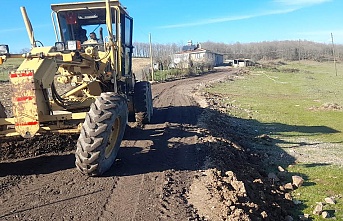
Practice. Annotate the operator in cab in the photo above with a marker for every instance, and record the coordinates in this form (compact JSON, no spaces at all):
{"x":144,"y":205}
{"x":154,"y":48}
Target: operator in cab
{"x":93,"y":37}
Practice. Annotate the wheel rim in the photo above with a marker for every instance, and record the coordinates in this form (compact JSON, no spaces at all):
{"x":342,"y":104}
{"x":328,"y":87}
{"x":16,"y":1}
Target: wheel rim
{"x":112,"y":140}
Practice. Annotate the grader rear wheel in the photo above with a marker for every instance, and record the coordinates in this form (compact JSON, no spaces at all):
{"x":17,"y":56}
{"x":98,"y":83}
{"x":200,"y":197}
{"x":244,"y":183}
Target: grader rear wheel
{"x":143,"y":102}
{"x":2,"y":115}
{"x":101,"y":134}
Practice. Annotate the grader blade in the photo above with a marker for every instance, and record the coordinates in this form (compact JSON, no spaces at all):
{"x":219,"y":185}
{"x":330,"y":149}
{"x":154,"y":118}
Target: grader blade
{"x":25,"y":109}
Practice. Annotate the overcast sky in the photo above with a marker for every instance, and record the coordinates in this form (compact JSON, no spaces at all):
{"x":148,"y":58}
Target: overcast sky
{"x":178,"y":21}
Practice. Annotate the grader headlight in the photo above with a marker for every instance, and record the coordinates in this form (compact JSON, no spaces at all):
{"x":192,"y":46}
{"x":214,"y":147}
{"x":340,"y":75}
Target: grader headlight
{"x":60,"y":46}
{"x":73,"y":45}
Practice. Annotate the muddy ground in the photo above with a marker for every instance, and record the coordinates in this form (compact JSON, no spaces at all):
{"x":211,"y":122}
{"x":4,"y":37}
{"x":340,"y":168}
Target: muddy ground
{"x":191,"y":163}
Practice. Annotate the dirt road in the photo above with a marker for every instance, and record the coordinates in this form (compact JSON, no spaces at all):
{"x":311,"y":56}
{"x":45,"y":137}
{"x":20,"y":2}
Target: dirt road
{"x":164,"y":171}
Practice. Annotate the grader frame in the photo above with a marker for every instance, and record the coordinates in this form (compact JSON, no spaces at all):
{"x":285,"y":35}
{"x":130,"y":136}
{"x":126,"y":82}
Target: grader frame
{"x":103,"y":90}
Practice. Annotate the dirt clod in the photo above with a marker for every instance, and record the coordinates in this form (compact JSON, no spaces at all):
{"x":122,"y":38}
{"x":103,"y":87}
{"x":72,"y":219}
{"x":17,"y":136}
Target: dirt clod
{"x":297,"y":181}
{"x":318,"y":209}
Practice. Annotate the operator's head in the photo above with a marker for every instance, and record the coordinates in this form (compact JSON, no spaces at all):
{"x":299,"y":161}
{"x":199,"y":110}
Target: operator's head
{"x":92,"y":35}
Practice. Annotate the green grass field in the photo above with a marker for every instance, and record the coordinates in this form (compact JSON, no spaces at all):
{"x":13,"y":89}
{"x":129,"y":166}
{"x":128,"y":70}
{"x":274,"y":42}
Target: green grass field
{"x":296,"y":101}
{"x":307,"y":94}
{"x":10,"y":65}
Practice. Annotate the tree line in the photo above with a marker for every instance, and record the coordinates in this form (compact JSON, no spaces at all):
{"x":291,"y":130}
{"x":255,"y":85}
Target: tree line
{"x":267,"y":50}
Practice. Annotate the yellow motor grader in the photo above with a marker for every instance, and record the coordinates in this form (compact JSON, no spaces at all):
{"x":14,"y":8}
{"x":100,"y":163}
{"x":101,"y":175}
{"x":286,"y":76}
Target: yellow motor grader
{"x":99,"y":91}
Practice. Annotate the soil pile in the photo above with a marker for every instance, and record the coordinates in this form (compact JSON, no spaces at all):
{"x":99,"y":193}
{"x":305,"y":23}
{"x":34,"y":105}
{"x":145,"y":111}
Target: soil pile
{"x":235,"y":184}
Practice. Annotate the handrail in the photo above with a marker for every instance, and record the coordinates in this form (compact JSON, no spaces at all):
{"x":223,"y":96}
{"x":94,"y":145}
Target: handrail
{"x":54,"y":24}
{"x":28,"y":25}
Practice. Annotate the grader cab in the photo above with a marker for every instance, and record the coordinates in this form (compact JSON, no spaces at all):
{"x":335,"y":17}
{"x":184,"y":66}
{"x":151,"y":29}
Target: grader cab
{"x":80,"y":85}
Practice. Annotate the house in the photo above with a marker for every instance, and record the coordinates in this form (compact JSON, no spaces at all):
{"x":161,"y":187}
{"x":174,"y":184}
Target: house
{"x":237,"y":63}
{"x":192,"y":55}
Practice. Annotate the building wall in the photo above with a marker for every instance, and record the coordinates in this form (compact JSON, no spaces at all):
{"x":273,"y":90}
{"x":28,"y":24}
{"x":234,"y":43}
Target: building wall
{"x":181,"y":60}
{"x":184,"y":60}
{"x":242,"y":63}
{"x":219,"y":59}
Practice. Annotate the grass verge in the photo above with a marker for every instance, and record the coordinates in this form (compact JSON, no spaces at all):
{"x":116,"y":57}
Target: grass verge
{"x":300,"y":106}
{"x":10,"y":65}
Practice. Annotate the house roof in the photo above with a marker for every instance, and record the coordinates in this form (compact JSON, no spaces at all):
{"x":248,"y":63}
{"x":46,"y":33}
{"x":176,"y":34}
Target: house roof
{"x":189,"y":48}
{"x":193,"y":49}
{"x":197,"y":50}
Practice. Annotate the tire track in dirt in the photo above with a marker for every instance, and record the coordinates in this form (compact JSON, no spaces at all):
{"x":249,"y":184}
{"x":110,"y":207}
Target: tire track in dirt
{"x":51,"y":193}
{"x":157,"y":164}
{"x":124,"y":202}
{"x":140,"y":183}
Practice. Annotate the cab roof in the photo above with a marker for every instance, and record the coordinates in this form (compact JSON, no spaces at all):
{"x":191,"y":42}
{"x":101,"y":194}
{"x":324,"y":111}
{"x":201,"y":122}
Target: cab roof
{"x":85,"y":5}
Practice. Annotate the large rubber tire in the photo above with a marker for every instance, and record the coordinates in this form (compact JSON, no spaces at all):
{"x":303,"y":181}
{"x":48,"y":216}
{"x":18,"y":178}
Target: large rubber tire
{"x":143,"y":102}
{"x":101,"y":134}
{"x":2,"y":115}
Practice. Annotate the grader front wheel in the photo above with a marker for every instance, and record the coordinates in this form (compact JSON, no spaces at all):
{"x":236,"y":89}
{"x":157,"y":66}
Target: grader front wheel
{"x":101,"y":134}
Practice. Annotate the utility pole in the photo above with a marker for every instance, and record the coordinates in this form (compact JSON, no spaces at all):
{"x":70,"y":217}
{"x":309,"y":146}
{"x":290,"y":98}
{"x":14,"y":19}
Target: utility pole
{"x":333,"y":53}
{"x":299,"y":51}
{"x":151,"y":59}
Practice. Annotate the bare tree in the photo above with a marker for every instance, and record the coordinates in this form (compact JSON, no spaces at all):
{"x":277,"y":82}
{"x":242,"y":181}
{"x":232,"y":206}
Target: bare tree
{"x":24,"y":50}
{"x":266,"y":50}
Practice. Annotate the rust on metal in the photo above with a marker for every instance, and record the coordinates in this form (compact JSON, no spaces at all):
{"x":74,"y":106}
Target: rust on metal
{"x":24,"y":103}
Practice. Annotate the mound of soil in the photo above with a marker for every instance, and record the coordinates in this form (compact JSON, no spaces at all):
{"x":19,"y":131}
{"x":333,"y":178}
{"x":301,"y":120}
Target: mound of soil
{"x":235,"y":184}
{"x":328,"y":106}
{"x":5,"y":97}
{"x":38,"y":145}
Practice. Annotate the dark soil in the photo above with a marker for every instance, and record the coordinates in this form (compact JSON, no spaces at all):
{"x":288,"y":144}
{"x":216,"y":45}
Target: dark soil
{"x":190,"y":163}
